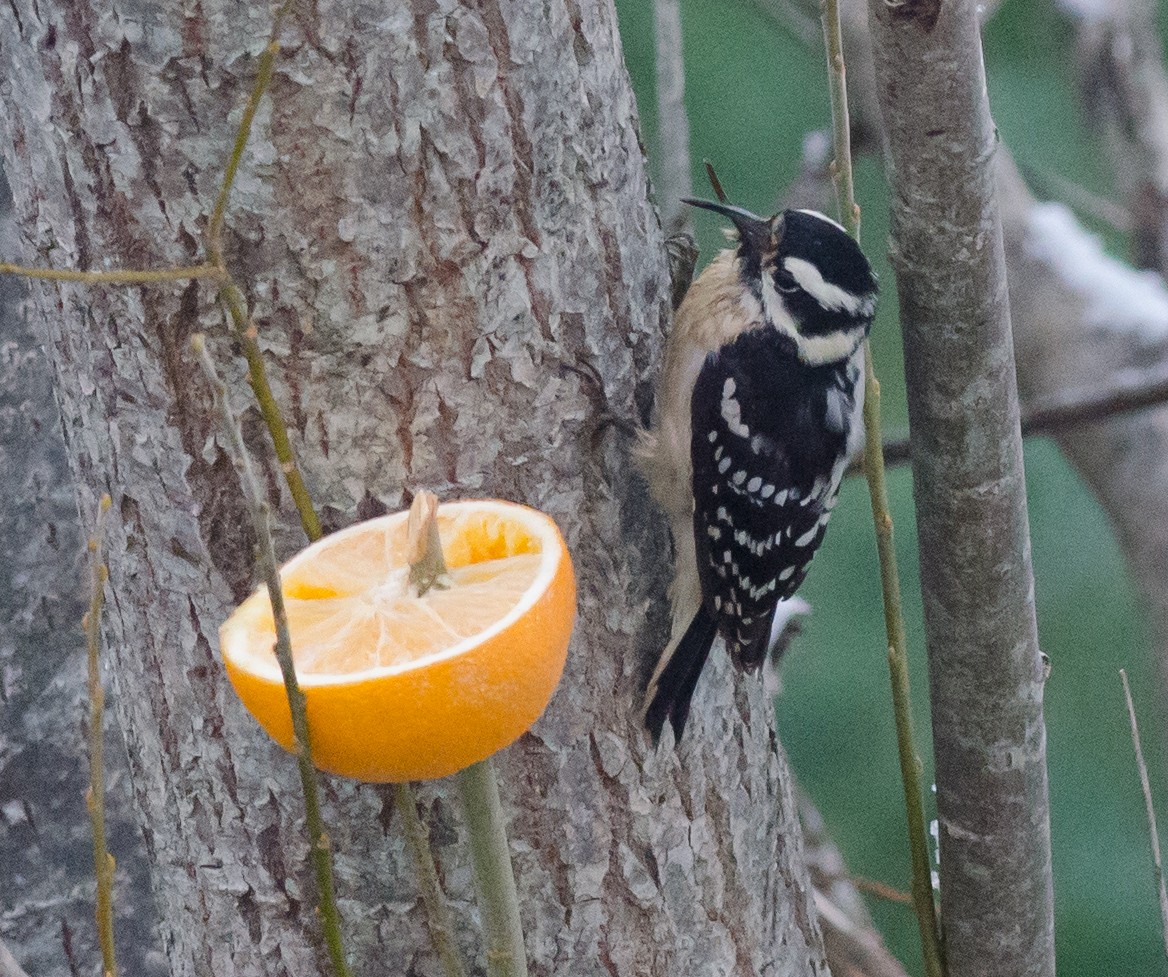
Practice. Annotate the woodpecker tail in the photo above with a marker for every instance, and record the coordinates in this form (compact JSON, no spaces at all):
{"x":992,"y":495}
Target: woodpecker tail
{"x":672,"y":686}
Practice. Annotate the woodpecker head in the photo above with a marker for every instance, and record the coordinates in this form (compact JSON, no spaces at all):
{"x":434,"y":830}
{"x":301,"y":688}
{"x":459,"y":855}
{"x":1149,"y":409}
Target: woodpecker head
{"x":810,"y":278}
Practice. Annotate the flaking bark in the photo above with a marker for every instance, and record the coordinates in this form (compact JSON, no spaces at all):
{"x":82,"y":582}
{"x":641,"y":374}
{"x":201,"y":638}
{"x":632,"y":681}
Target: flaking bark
{"x":444,"y":229}
{"x":985,"y":671}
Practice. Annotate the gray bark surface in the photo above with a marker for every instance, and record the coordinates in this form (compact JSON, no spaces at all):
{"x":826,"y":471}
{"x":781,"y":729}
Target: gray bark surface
{"x":46,"y":859}
{"x":985,"y":671}
{"x":442,"y":224}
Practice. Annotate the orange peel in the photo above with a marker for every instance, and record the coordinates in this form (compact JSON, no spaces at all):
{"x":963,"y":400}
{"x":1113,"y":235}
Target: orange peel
{"x":404,"y":687}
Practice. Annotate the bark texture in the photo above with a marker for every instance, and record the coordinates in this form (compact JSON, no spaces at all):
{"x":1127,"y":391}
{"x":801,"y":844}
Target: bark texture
{"x":443,"y":226}
{"x":46,"y":860}
{"x":985,"y":671}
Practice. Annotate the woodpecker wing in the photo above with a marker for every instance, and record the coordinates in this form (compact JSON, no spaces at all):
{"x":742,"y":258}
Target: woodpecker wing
{"x":769,"y":433}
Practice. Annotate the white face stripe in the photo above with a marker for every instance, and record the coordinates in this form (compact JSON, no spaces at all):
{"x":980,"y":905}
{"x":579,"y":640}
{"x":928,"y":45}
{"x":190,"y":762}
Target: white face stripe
{"x":830,"y":296}
{"x":813,"y":350}
{"x":823,"y":217}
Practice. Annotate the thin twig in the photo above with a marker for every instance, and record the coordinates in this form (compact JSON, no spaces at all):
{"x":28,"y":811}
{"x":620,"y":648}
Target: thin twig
{"x":841,"y":171}
{"x":267,"y":61}
{"x":115,"y":277}
{"x":232,"y":296}
{"x":1124,"y":393}
{"x":246,"y":332}
{"x":841,"y":166}
{"x":437,"y":912}
{"x":319,"y":845}
{"x":479,"y":790}
{"x":853,"y":950}
{"x":103,"y":861}
{"x":1048,"y":183}
{"x":882,"y":890}
{"x":1146,"y":787}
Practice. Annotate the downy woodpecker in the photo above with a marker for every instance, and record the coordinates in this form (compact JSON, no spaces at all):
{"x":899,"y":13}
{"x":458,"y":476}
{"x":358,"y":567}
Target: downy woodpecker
{"x":758,"y":413}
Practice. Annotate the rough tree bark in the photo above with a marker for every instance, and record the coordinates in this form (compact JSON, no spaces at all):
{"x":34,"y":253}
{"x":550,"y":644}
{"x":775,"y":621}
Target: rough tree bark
{"x":46,"y":861}
{"x":977,"y":583}
{"x":443,"y":226}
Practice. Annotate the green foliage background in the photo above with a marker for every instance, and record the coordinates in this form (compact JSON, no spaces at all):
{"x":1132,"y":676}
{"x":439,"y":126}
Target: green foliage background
{"x":753,"y":91}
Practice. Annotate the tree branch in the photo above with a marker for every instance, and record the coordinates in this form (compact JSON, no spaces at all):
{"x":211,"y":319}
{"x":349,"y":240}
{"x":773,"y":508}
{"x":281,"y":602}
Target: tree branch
{"x":977,"y":581}
{"x":1125,"y":93}
{"x":674,"y":181}
{"x":320,"y":847}
{"x":1125,"y":392}
{"x":1146,"y":788}
{"x":103,"y":861}
{"x":897,"y":644}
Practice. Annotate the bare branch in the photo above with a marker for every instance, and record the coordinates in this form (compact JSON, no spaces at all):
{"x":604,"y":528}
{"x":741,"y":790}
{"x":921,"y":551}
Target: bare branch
{"x":674,"y":181}
{"x":120,"y":276}
{"x":1126,"y":391}
{"x":319,"y":845}
{"x":1125,"y":91}
{"x":977,"y":581}
{"x":1146,"y":787}
{"x":1055,"y":186}
{"x":910,"y":764}
{"x":854,"y":947}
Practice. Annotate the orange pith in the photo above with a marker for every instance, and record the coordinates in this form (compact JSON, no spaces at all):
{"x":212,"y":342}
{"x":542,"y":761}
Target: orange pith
{"x":406,"y":688}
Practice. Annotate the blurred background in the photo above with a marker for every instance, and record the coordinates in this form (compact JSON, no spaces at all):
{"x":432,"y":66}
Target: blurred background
{"x":753,"y":91}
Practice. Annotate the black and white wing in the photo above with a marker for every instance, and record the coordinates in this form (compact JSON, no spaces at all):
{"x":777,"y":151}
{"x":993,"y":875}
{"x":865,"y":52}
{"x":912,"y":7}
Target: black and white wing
{"x":770,"y":438}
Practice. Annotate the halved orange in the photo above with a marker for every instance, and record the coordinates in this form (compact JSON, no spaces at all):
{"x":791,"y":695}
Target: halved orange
{"x":401,"y":687}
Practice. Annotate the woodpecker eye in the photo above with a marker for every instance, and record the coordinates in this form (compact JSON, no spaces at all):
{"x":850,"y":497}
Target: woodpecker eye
{"x":785,"y":281}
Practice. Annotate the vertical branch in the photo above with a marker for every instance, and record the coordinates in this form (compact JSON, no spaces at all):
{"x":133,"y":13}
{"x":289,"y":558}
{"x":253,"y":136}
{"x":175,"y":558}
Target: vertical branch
{"x":319,"y":845}
{"x":103,"y":861}
{"x":437,"y":912}
{"x":267,"y":63}
{"x":477,"y":786}
{"x":672,"y":122}
{"x":841,"y":125}
{"x":910,"y":765}
{"x":977,"y":582}
{"x":1146,"y":787}
{"x":233,"y":299}
{"x":494,"y":877}
{"x":245,"y":332}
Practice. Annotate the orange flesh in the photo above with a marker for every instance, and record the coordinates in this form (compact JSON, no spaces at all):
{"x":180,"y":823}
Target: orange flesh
{"x":346,"y":626}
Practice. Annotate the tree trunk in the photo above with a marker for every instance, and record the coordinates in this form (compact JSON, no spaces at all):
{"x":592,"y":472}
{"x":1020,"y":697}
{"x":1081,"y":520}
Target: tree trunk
{"x":442,"y":225}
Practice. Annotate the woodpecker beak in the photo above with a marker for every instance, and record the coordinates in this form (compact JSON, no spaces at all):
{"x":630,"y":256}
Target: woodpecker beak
{"x":754,"y":231}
